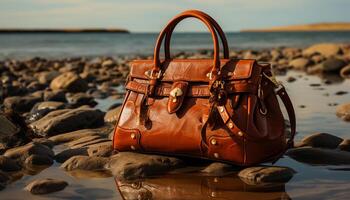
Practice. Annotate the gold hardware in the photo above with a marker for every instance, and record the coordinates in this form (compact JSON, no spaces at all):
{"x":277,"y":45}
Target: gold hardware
{"x":213,"y":194}
{"x":216,"y":155}
{"x":176,"y":92}
{"x":132,"y":147}
{"x":273,"y":79}
{"x":216,"y":180}
{"x":213,"y":141}
{"x":240,"y":133}
{"x":230,"y":125}
{"x":222,"y":109}
{"x":133,"y":136}
{"x":151,"y":74}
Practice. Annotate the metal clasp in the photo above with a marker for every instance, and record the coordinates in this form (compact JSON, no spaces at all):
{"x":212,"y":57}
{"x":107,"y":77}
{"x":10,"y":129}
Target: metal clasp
{"x":152,"y":74}
{"x":273,"y":79}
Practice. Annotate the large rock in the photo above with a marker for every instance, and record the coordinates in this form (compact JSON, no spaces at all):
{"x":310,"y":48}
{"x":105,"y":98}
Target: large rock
{"x":45,"y":186}
{"x":325,"y":49}
{"x":21,"y":104}
{"x":8,"y":130}
{"x":319,"y":156}
{"x":93,"y":142}
{"x":104,"y":149}
{"x":65,"y":120}
{"x":219,"y":169}
{"x":69,"y":81}
{"x":43,"y":108}
{"x":129,"y":165}
{"x":83,"y":140}
{"x":322,"y":140}
{"x":266,"y":174}
{"x":300,"y":63}
{"x":68,"y":153}
{"x":47,"y":76}
{"x":74,"y":135}
{"x":27,"y":150}
{"x":84,"y":163}
{"x":331,"y":65}
{"x":345,"y":145}
{"x":343,"y":111}
{"x":38,"y":160}
{"x":112,"y":115}
{"x":79,"y":99}
{"x":345,"y":72}
{"x":7,"y":164}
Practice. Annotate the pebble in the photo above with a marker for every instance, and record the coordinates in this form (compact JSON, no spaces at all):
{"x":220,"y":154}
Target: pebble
{"x":45,"y":186}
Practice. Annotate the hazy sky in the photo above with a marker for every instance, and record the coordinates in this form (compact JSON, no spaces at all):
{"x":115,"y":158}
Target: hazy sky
{"x":152,"y":15}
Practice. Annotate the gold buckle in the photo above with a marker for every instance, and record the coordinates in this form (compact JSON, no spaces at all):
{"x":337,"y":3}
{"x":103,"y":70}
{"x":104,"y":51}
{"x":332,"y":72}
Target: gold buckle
{"x":151,"y":73}
{"x":273,"y":79}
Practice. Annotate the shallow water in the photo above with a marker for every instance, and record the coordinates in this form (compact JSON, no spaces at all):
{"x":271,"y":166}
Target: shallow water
{"x":310,"y":182}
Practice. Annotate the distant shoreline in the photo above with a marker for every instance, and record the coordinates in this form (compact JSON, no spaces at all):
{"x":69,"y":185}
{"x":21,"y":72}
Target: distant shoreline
{"x":64,"y":31}
{"x":317,"y":27}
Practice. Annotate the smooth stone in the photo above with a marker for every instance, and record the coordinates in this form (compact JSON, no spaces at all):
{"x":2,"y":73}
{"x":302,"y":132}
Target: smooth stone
{"x":83,"y":140}
{"x":343,"y":111}
{"x":44,"y":141}
{"x":45,"y":186}
{"x":218,"y":168}
{"x":129,"y":165}
{"x":43,"y":108}
{"x":8,"y":164}
{"x":331,"y":65}
{"x":103,"y":149}
{"x":21,"y":104}
{"x":300,"y":63}
{"x":57,"y":95}
{"x":96,"y":141}
{"x":8,"y":130}
{"x":22,"y":152}
{"x":266,"y":174}
{"x":38,"y":160}
{"x":112,"y":115}
{"x":47,"y":76}
{"x":70,"y":82}
{"x":68,"y":153}
{"x":291,"y":79}
{"x":79,"y":99}
{"x":322,"y":140}
{"x":344,"y":145}
{"x":325,"y":49}
{"x":319,"y":156}
{"x":4,"y":179}
{"x":66,"y":120}
{"x":85,"y":163}
{"x":345,"y":72}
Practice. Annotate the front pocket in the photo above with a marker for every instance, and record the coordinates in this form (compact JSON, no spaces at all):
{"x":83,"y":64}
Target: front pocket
{"x":127,"y":139}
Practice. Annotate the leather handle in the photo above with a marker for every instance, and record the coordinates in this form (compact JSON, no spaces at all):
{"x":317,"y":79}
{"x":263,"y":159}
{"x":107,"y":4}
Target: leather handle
{"x":172,"y":24}
{"x":214,"y":24}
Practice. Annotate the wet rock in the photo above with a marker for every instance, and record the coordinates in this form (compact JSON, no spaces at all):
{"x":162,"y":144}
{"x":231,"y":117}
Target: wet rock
{"x":291,"y":79}
{"x":68,"y":153}
{"x":70,"y":82}
{"x":43,"y":108}
{"x":21,"y":104}
{"x":8,"y":164}
{"x":112,"y":115}
{"x":266,"y":174}
{"x":108,"y":63}
{"x":84,"y":140}
{"x":8,"y":130}
{"x":345,"y":72}
{"x":325,"y":49}
{"x":65,"y":120}
{"x":84,"y":163}
{"x":79,"y":99}
{"x":38,"y":160}
{"x":92,"y":142}
{"x":103,"y":149}
{"x":47,"y":76}
{"x":129,"y":165}
{"x":322,"y":140}
{"x":300,"y":63}
{"x":319,"y":156}
{"x":343,"y":111}
{"x":219,"y":169}
{"x":344,"y":145}
{"x":4,"y":179}
{"x":57,"y":95}
{"x":27,"y":150}
{"x":341,"y":93}
{"x":44,"y":141}
{"x":331,"y":65}
{"x":45,"y":186}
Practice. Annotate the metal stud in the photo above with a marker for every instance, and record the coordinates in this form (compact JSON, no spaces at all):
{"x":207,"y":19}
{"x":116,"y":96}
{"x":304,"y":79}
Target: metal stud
{"x":133,"y":136}
{"x":216,"y":180}
{"x":213,"y":194}
{"x":174,"y":100}
{"x":216,"y":155}
{"x":222,"y":109}
{"x":213,"y":141}
{"x":230,"y":125}
{"x":240,"y":133}
{"x":132,"y":147}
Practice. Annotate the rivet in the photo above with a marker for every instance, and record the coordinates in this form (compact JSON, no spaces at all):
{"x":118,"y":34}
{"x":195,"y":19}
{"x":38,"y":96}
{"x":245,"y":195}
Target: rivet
{"x":230,"y":125}
{"x":216,"y":155}
{"x":132,"y":147}
{"x":213,"y":194}
{"x":174,"y":100}
{"x":208,"y":74}
{"x":213,"y":141}
{"x":221,"y":109}
{"x":240,"y":133}
{"x":216,"y":180}
{"x":133,"y":136}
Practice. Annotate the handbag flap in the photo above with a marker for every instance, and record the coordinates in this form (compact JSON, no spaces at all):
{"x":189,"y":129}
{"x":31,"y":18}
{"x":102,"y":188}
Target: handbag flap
{"x":193,"y":70}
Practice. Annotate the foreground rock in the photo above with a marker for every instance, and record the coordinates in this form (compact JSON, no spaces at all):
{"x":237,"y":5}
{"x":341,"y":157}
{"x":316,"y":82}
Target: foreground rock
{"x":325,"y":49}
{"x":8,"y":164}
{"x":65,"y":120}
{"x":331,"y":65}
{"x":322,"y":140}
{"x":41,"y":109}
{"x":45,"y":186}
{"x":266,"y":174}
{"x":27,"y":150}
{"x":85,"y":163}
{"x":38,"y":160}
{"x":129,"y":165}
{"x":68,"y":153}
{"x":343,"y":111}
{"x":21,"y":103}
{"x":70,"y":82}
{"x":319,"y":156}
{"x":219,"y":169}
{"x":345,"y":145}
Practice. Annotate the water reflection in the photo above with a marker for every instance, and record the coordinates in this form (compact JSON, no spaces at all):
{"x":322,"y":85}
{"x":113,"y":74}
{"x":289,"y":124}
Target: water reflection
{"x":194,"y":186}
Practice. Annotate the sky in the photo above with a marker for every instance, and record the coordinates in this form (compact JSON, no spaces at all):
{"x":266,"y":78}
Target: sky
{"x":152,"y":15}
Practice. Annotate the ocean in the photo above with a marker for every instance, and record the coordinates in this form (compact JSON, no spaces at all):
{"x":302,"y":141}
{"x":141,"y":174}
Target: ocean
{"x":59,"y":45}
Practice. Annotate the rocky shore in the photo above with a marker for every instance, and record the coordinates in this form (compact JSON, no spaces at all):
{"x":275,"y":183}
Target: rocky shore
{"x":48,"y":115}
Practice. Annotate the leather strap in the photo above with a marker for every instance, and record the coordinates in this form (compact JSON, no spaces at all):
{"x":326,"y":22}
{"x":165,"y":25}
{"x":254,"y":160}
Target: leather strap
{"x":213,"y":23}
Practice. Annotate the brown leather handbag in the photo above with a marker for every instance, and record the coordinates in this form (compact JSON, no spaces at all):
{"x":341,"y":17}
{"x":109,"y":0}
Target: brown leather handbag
{"x":219,"y":109}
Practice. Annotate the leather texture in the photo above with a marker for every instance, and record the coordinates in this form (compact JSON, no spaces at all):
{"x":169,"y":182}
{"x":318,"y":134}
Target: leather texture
{"x":218,"y":109}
